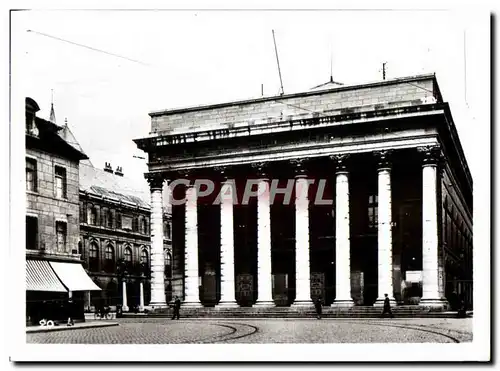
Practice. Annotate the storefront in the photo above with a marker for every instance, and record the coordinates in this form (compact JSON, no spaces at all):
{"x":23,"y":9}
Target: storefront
{"x":55,"y":291}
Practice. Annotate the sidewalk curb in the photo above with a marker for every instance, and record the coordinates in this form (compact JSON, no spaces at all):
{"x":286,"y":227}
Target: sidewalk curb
{"x":70,"y":328}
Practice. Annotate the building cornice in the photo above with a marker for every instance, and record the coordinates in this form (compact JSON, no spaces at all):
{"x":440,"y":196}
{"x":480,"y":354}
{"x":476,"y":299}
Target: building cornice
{"x":334,"y":146}
{"x":303,"y":123}
{"x":401,"y":80}
{"x":111,"y":200}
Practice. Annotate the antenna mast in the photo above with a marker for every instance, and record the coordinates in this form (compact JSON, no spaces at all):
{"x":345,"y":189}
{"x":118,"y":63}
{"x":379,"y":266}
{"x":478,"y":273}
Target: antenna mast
{"x":383,"y":70}
{"x":277,"y":60}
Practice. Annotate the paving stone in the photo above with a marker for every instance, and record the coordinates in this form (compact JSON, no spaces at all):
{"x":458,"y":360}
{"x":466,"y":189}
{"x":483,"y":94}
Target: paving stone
{"x":166,"y":331}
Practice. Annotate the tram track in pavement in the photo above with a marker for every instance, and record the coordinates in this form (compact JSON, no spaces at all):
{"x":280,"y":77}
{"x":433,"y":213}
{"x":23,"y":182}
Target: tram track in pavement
{"x":238,"y":331}
{"x":409,"y":327}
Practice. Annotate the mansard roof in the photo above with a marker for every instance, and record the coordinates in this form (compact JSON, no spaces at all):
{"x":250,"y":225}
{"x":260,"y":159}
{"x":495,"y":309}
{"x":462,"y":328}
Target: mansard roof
{"x":117,"y":188}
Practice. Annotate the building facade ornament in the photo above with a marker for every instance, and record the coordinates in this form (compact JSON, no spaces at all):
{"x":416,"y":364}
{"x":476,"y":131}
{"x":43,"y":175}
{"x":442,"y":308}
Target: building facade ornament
{"x":155,"y":180}
{"x":431,"y":155}
{"x":340,"y":161}
{"x":261,"y":169}
{"x":299,"y":167}
{"x":384,"y":158}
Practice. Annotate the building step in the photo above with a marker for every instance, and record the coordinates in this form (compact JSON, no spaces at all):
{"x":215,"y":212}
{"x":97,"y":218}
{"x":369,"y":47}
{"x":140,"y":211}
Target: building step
{"x":288,"y":312}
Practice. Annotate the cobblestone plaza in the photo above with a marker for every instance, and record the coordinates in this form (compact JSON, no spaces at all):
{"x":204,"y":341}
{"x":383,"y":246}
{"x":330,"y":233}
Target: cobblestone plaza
{"x":263,"y":331}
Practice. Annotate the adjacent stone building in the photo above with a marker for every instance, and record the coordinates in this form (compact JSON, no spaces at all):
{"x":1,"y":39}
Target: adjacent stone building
{"x":54,"y":270}
{"x":387,"y":156}
{"x":115,"y":238}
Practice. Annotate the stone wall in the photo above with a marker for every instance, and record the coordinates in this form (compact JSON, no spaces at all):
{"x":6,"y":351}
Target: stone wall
{"x":47,"y":208}
{"x":337,"y":101}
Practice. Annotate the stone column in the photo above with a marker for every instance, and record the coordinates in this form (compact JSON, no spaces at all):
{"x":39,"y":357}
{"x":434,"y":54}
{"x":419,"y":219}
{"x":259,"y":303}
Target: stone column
{"x":430,"y":242}
{"x":264,"y":279}
{"x":157,"y":258}
{"x":342,"y":234}
{"x":227,"y":286}
{"x":124,"y":296}
{"x":302,"y":266}
{"x":141,"y":296}
{"x":384,"y":226}
{"x":191,"y":280}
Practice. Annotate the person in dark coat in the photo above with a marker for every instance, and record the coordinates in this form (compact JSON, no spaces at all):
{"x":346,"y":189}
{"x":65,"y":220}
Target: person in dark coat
{"x":318,"y":304}
{"x":387,"y":307}
{"x":177,"y":307}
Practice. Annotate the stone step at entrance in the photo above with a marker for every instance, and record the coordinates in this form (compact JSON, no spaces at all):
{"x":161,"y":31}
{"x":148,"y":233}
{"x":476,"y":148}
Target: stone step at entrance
{"x":287,"y":312}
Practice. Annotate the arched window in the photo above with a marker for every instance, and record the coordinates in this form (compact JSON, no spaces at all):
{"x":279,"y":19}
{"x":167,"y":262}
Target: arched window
{"x":127,"y":255}
{"x":94,"y":257}
{"x":144,"y":257}
{"x":109,"y":259}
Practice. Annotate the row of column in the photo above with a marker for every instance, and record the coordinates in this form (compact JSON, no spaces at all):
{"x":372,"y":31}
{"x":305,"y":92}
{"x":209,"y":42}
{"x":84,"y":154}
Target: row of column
{"x":125,"y":307}
{"x":342,"y":239}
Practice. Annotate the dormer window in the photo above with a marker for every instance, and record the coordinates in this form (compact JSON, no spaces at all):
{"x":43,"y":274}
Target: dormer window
{"x":31,"y":128}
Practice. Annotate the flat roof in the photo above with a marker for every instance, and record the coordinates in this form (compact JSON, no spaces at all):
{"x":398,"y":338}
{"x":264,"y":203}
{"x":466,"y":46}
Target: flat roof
{"x":301,"y":94}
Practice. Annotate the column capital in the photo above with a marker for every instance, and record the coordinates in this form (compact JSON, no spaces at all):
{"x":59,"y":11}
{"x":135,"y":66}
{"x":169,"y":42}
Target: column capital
{"x":384,"y":158}
{"x":155,"y":180}
{"x":186,"y":174}
{"x":299,"y":167}
{"x":341,"y":161}
{"x":431,"y":155}
{"x":223,"y":171}
{"x":261,"y":168}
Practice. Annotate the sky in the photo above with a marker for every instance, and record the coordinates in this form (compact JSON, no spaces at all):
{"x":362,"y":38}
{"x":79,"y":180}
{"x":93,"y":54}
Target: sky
{"x":129,"y":63}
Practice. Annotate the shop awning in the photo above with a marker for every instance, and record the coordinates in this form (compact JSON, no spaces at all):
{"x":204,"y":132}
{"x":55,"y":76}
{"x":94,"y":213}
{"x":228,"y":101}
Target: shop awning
{"x":41,"y":277}
{"x":74,"y":276}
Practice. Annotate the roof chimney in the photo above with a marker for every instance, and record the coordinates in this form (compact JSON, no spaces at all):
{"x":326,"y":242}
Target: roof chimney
{"x":119,"y":171}
{"x":108,"y":168}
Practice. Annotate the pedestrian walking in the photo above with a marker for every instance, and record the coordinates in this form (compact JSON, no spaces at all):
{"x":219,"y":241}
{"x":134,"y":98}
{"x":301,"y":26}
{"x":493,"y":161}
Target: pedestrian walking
{"x":318,"y":304}
{"x":387,"y":307}
{"x":177,"y":307}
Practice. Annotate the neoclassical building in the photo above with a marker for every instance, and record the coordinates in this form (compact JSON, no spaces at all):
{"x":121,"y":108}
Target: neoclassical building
{"x":385,"y":156}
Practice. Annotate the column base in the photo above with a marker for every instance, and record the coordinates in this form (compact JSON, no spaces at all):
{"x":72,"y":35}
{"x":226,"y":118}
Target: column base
{"x":264,"y":304}
{"x":302,"y":304}
{"x":433,"y":303}
{"x":125,"y":308}
{"x":342,"y":303}
{"x":380,"y":302}
{"x":227,"y":304}
{"x":191,"y":304}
